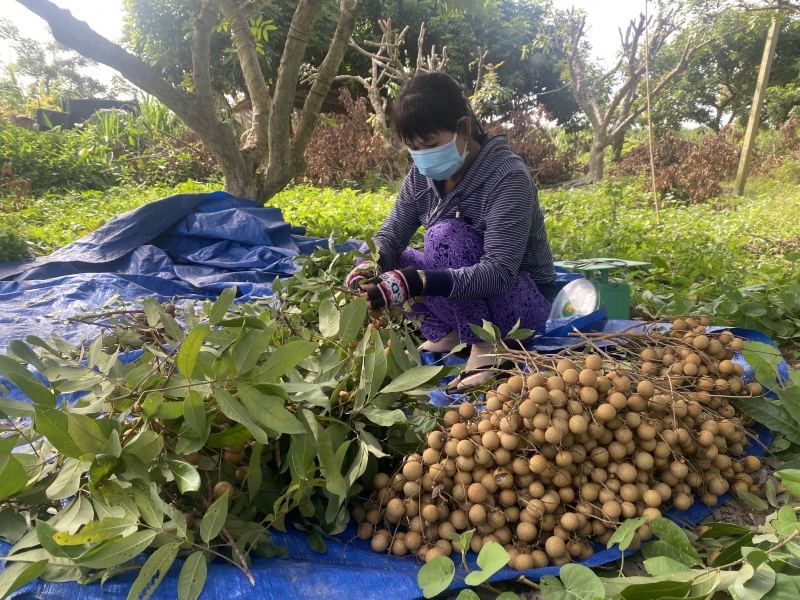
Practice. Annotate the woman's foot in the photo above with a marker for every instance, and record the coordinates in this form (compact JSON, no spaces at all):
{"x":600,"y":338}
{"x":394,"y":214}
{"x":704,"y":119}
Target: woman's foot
{"x":478,"y":370}
{"x":446,"y":344}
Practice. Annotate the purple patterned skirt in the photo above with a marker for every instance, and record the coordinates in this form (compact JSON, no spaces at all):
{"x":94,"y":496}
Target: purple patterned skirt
{"x":451,"y":244}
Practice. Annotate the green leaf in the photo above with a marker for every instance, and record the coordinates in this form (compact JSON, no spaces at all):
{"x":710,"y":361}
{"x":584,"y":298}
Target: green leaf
{"x":625,"y":532}
{"x":753,"y":309}
{"x":435,"y":576}
{"x":411,"y":379}
{"x":103,"y":466}
{"x":751,"y":500}
{"x":785,"y":588}
{"x":186,"y":476}
{"x":254,"y":473}
{"x":8,"y":366}
{"x":35,"y":391}
{"x":484,"y":334}
{"x":221,"y":305}
{"x":54,"y":425}
{"x":717,"y":530}
{"x":19,"y":574}
{"x":269,"y":411}
{"x":468,"y":595}
{"x":661,"y":565}
{"x":87,"y":433}
{"x":771,"y":415}
{"x":193,"y":577}
{"x":384,"y":418}
{"x":334,"y":482}
{"x":194,"y":412}
{"x":187,"y":356}
{"x":284,"y":359}
{"x":753,"y":584}
{"x":22,"y":351}
{"x":248,"y":350}
{"x":238,"y":434}
{"x":214,"y":519}
{"x":13,"y":477}
{"x":352,"y":319}
{"x":733,"y":551}
{"x":316,"y":543}
{"x":577,"y":583}
{"x":153,"y":571}
{"x":302,"y":451}
{"x":145,"y":445}
{"x":672,"y":543}
{"x":658,"y":589}
{"x":491,"y":559}
{"x":151,"y":308}
{"x":12,"y":526}
{"x":151,"y":514}
{"x":118,"y":551}
{"x":234,"y":410}
{"x":95,"y":531}
{"x":171,"y":326}
{"x":328,"y":318}
{"x":507,"y":596}
{"x":15,"y":408}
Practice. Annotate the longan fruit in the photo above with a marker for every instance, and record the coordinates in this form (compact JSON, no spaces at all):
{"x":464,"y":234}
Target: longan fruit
{"x":466,"y":410}
{"x":526,"y":532}
{"x":412,"y":471}
{"x":569,"y":521}
{"x":380,"y":543}
{"x":364,"y":531}
{"x":380,"y":481}
{"x":430,"y":513}
{"x":682,"y":501}
{"x":395,"y":509}
{"x":451,"y":417}
{"x":436,"y":440}
{"x":612,"y":509}
{"x":221,"y":488}
{"x":751,"y":464}
{"x":515,"y":383}
{"x":477,"y":514}
{"x":645,"y":389}
{"x":459,"y":431}
{"x":589,"y":396}
{"x":523,"y":562}
{"x":490,"y":440}
{"x":555,"y":547}
{"x":477,"y":493}
{"x":594,"y":362}
{"x":605,"y":412}
{"x":701,"y":342}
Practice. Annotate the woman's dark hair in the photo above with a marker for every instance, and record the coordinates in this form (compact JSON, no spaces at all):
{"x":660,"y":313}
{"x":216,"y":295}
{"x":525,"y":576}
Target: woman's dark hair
{"x":430,"y":103}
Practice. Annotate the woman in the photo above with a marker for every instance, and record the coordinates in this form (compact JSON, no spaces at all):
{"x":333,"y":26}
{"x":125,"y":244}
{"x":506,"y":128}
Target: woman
{"x":486,"y":254}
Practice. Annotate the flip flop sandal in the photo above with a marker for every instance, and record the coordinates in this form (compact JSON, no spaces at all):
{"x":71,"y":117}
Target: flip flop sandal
{"x":489,"y":372}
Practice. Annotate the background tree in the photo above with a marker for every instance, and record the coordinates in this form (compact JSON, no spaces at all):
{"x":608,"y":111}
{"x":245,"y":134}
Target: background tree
{"x":269,"y":155}
{"x":717,"y":87}
{"x":502,"y":27}
{"x":611,"y":100}
{"x":50,"y":69}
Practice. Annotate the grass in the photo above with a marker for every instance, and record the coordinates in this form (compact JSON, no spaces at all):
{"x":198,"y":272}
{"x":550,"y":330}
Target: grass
{"x":737,"y":259}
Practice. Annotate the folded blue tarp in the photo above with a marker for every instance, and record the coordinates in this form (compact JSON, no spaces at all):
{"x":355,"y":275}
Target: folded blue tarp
{"x":185,"y":246}
{"x":193,"y":246}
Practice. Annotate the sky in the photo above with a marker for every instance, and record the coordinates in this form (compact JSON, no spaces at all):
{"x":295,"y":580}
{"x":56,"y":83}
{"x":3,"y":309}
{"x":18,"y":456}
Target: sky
{"x":604,"y":19}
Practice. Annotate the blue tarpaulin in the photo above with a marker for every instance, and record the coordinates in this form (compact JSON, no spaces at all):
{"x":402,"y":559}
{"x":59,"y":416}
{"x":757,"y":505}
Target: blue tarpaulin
{"x":193,"y":246}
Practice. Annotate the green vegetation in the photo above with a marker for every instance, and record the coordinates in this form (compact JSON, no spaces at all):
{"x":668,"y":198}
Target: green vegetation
{"x":737,"y":260}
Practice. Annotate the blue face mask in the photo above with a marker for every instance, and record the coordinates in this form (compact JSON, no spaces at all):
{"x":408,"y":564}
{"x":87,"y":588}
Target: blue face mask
{"x":439,"y":163}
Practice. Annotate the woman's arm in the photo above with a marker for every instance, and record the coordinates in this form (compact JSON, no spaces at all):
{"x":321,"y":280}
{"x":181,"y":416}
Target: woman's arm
{"x":510,"y":211}
{"x":399,"y":227}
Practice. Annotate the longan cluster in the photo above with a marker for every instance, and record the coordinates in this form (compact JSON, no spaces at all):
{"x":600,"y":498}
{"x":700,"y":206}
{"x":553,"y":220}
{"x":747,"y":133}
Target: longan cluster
{"x":559,"y":457}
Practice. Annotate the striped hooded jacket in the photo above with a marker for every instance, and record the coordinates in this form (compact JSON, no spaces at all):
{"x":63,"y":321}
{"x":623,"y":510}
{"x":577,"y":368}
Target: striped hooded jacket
{"x":497,"y":199}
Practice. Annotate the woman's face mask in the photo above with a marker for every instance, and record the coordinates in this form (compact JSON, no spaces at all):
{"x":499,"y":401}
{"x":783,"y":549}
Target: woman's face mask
{"x":440,"y":163}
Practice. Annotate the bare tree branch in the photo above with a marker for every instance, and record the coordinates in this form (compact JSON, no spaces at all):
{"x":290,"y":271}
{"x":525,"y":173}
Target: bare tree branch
{"x":349,"y":11}
{"x":201,"y":55}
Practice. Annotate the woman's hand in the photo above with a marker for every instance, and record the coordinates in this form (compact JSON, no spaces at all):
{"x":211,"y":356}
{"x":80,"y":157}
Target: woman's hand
{"x":363,"y":271}
{"x":393,"y":288}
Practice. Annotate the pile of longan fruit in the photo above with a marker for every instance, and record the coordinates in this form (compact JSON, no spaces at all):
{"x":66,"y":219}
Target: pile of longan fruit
{"x":557,"y":456}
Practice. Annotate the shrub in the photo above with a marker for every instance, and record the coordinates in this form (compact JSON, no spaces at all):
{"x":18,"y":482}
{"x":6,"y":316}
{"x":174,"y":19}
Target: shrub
{"x":56,"y":160}
{"x":344,"y":149}
{"x":12,"y":247}
{"x":549,"y":160}
{"x":686,"y":169}
{"x":171,"y":161}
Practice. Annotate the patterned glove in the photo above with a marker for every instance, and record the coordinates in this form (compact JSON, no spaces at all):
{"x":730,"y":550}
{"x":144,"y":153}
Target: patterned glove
{"x":364,"y":270}
{"x":393,"y":288}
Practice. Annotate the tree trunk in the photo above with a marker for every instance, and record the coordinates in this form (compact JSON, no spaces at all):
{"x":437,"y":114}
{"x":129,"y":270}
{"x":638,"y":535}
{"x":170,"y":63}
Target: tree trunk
{"x":617,"y":146}
{"x":596,"y":157}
